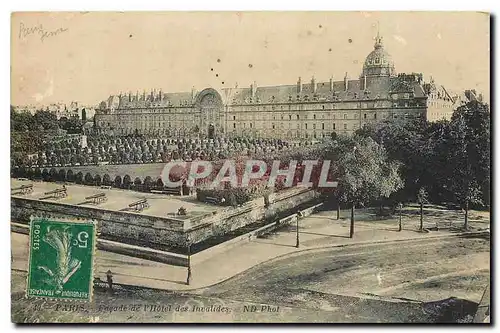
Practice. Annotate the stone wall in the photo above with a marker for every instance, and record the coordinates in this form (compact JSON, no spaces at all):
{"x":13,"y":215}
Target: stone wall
{"x":120,"y":226}
{"x":162,"y":232}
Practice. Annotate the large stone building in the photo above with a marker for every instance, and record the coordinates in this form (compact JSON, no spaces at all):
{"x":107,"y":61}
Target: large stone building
{"x":302,"y":110}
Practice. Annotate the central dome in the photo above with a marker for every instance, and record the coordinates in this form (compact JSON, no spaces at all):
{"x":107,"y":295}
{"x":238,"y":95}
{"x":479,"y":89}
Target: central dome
{"x":378,"y":62}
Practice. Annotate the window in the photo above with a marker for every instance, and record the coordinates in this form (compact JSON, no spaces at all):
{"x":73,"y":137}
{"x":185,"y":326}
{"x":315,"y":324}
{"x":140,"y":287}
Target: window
{"x":251,"y":125}
{"x":364,"y":116}
{"x":345,"y":115}
{"x":234,"y":125}
{"x":290,"y":117}
{"x":234,"y":117}
{"x":273,"y":126}
{"x":333,"y":125}
{"x":314,"y":126}
{"x":345,"y":126}
{"x":323,"y":107}
{"x":306,"y":125}
{"x":314,"y":116}
{"x":298,"y":117}
{"x":374,"y":116}
{"x":322,"y":126}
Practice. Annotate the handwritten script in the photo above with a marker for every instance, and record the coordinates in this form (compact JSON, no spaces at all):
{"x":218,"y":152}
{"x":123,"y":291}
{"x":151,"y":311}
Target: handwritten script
{"x":25,"y":31}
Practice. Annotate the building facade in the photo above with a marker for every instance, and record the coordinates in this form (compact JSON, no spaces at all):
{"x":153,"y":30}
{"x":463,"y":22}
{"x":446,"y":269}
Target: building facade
{"x":304,"y":110}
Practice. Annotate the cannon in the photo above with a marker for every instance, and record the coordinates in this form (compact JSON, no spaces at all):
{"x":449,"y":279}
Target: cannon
{"x":139,"y":205}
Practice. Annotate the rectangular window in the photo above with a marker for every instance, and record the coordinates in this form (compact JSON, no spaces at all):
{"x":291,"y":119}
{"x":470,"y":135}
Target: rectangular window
{"x":234,"y":125}
{"x":345,"y":126}
{"x":345,"y":115}
{"x":364,"y":116}
{"x":323,"y":126}
{"x":333,"y":125}
{"x":374,"y":116}
{"x":306,"y":126}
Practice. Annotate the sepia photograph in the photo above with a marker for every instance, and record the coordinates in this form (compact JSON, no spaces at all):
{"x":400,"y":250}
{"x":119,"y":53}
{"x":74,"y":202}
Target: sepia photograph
{"x":250,"y":167}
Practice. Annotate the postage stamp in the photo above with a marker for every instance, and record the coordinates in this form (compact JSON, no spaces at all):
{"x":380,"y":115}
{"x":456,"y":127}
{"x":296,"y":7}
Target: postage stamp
{"x":61,"y":259}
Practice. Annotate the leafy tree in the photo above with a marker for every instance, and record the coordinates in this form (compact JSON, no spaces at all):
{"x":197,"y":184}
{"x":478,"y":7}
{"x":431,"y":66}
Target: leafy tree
{"x":106,"y":179}
{"x":126,"y":181}
{"x":89,"y":180}
{"x":97,"y":179}
{"x":70,"y":177}
{"x":469,"y":155}
{"x":79,"y":178}
{"x":364,"y":171}
{"x":118,"y":181}
{"x":62,"y":175}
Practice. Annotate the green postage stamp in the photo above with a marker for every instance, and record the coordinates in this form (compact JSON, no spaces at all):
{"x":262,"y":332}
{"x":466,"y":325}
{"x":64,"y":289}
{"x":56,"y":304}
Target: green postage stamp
{"x":61,"y":259}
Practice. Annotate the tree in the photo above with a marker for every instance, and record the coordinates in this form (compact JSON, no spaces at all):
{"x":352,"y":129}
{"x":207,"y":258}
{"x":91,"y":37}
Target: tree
{"x":53,"y":174}
{"x":79,"y":178}
{"x":118,"y":182}
{"x":97,"y":180}
{"x":89,"y":180}
{"x":126,"y":181}
{"x":469,"y":155}
{"x":422,"y":196}
{"x":363,"y":170}
{"x":148,"y":182}
{"x":70,"y":177}
{"x":62,"y":175}
{"x":106,"y":179}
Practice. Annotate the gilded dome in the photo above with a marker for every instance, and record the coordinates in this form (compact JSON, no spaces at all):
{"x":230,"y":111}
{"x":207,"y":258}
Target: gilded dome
{"x":378,"y":62}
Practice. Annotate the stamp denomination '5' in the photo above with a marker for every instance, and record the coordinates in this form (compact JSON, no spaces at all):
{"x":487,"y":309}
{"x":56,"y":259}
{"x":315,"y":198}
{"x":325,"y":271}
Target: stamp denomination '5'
{"x":61,"y":259}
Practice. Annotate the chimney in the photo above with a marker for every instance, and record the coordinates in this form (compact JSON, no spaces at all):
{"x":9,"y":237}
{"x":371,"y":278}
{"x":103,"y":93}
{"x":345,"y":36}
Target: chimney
{"x":137,"y":95}
{"x":144,"y":95}
{"x":364,"y":82}
{"x":346,"y":82}
{"x":299,"y":85}
{"x":160,"y":96}
{"x":313,"y":84}
{"x":331,"y":83}
{"x":193,"y":92}
{"x":253,"y":89}
{"x":130,"y":96}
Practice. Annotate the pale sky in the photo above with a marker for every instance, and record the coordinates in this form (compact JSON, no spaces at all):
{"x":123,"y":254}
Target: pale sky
{"x":97,"y":54}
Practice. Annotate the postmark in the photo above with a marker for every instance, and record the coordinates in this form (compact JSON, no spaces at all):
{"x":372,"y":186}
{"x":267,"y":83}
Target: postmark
{"x":61,"y":259}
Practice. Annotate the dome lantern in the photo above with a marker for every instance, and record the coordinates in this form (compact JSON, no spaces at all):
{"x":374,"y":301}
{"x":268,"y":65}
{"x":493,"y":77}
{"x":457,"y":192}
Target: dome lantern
{"x":378,"y":62}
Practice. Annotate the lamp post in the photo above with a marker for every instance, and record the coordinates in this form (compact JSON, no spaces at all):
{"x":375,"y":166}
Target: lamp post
{"x":400,"y":209}
{"x":297,"y":243}
{"x":188,"y":279}
{"x":351,"y":229}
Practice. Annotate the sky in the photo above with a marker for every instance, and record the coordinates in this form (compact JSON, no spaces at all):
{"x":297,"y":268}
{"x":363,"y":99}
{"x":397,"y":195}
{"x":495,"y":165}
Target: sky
{"x":87,"y":56}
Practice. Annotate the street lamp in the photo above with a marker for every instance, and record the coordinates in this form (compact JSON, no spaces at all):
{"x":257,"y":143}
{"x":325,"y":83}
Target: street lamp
{"x":297,"y":243}
{"x":188,"y":279}
{"x":351,"y":229}
{"x":400,"y":209}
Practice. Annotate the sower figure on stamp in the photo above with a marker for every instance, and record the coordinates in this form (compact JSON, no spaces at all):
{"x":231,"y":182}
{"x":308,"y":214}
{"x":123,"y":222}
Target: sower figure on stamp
{"x":109,"y":278}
